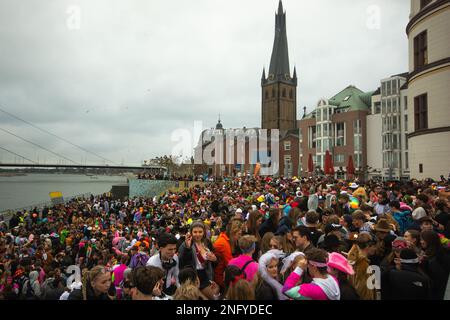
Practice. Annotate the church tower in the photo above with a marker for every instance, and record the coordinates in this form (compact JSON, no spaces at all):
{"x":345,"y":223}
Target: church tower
{"x":279,"y":89}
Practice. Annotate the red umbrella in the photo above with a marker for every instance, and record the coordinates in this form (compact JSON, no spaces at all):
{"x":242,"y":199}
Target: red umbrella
{"x":310,"y":163}
{"x":327,"y":166}
{"x":350,"y":166}
{"x":331,"y":166}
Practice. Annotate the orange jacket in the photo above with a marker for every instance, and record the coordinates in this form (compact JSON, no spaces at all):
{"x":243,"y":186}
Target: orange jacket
{"x":222,"y":250}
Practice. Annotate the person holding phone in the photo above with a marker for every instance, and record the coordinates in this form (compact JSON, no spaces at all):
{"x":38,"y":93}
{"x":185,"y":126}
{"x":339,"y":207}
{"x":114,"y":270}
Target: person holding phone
{"x":196,"y":252}
{"x":146,"y":283}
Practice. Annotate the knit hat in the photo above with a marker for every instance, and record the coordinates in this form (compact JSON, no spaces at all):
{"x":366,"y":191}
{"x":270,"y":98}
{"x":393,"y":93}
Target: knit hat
{"x":348,"y":218}
{"x":419,"y":213}
{"x":399,"y":243}
{"x":330,"y":227}
{"x":408,"y":256}
{"x":339,"y":262}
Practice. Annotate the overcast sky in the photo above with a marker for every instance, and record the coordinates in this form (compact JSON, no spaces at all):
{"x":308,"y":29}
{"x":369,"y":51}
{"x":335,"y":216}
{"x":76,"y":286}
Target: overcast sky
{"x":119,"y":76}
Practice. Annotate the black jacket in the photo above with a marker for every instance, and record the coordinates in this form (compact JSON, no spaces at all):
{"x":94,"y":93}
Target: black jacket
{"x":77,"y":294}
{"x":437,"y":268}
{"x":186,"y":257}
{"x":267,"y":226}
{"x":284,"y":226}
{"x":347,"y":291}
{"x":408,"y":284}
{"x":265,"y":292}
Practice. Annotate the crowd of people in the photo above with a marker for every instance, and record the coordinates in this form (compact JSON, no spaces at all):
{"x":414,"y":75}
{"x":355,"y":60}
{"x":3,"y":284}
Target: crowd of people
{"x":249,"y":238}
{"x":172,"y":177}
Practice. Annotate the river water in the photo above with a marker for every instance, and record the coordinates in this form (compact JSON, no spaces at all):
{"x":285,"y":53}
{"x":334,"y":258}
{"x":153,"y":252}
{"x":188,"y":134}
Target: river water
{"x":32,"y":189}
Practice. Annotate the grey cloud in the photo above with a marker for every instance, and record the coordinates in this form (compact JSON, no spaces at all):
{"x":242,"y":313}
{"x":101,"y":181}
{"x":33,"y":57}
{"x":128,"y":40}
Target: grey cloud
{"x":138,"y":70}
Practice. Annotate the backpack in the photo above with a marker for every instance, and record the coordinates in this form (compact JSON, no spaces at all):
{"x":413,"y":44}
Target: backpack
{"x":141,"y":260}
{"x":27,"y":291}
{"x":245,"y":266}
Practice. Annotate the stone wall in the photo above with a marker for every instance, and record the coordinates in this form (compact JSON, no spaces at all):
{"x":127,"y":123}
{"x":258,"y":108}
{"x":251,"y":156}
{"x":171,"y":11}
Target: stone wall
{"x":151,"y":188}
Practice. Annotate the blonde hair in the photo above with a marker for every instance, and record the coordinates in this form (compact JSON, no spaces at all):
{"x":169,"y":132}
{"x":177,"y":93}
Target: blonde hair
{"x":241,"y":290}
{"x":188,"y":291}
{"x":234,"y":226}
{"x":265,"y":242}
{"x":245,"y":242}
{"x":90,"y":276}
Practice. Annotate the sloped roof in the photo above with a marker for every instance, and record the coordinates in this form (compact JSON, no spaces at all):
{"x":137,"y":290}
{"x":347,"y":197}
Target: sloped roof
{"x":352,"y":98}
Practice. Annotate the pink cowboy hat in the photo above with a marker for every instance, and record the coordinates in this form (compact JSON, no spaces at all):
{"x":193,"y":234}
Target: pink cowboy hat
{"x":339,"y":262}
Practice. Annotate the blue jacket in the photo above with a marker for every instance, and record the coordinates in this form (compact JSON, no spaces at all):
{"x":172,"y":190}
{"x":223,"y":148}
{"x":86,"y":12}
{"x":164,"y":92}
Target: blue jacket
{"x":404,"y":220}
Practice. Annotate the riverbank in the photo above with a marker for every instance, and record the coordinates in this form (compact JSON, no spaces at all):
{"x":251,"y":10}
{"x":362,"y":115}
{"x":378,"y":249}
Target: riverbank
{"x":25,"y":191}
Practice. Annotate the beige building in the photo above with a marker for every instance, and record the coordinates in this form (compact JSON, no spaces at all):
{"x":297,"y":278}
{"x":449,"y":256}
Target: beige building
{"x":429,"y":88}
{"x":387,"y":129}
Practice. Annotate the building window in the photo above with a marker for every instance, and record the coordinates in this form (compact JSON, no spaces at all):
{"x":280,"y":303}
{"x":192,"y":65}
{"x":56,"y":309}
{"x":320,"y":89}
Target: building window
{"x":267,"y":95}
{"x":394,"y":105}
{"x":394,"y":86}
{"x":358,"y":142}
{"x":389,"y":88}
{"x":406,"y":122}
{"x":377,"y":107}
{"x":319,"y":161}
{"x":406,"y":160}
{"x":326,"y":144}
{"x":312,"y":137}
{"x":421,"y":168}
{"x":420,"y":50}
{"x":406,"y":142}
{"x":395,"y":160}
{"x":384,"y":107}
{"x":340,"y":134}
{"x":383,"y":89}
{"x":284,"y":93}
{"x":394,"y":141}
{"x":287,"y":146}
{"x":357,"y":126}
{"x":291,"y":94}
{"x":273,"y":93}
{"x":339,"y":158}
{"x":319,"y":130}
{"x":319,"y":145}
{"x":389,"y":106}
{"x":421,"y":112}
{"x":424,"y":3}
{"x":358,"y":160}
{"x":406,"y":103}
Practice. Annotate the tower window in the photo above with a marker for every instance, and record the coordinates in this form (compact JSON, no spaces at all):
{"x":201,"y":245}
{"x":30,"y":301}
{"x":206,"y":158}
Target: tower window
{"x":291,"y":94}
{"x":273,"y":93}
{"x":421,"y":112}
{"x":267,"y":94}
{"x":284,"y":93}
{"x":420,"y":50}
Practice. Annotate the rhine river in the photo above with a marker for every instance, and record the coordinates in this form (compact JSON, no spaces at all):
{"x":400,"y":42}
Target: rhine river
{"x":33,"y":189}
